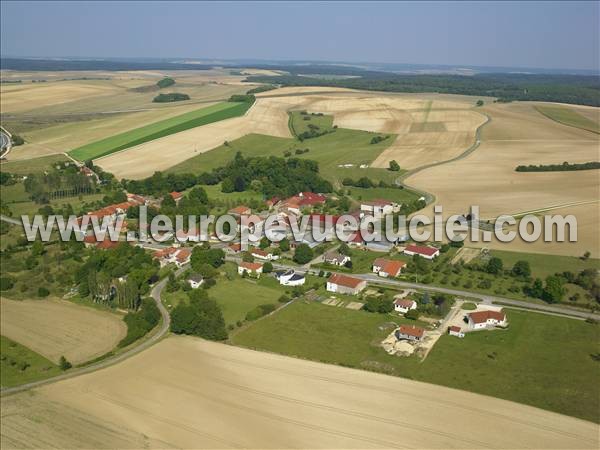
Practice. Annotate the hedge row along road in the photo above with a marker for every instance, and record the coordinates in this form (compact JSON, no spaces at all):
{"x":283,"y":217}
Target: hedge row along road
{"x":204,"y":116}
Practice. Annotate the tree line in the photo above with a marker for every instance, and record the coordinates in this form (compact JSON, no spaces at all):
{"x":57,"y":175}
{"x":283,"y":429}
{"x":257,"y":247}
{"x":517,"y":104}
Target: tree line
{"x":565,"y":166}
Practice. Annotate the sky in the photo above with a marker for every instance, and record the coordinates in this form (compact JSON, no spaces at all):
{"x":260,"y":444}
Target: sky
{"x":555,"y":34}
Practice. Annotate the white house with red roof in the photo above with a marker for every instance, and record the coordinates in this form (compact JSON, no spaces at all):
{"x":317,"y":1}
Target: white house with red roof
{"x":456,"y":331}
{"x":240,"y":210}
{"x":423,"y":251}
{"x":170,"y":255}
{"x":303,"y":200}
{"x":478,"y":320}
{"x":410,"y":333}
{"x":387,"y":267}
{"x":378,"y":208}
{"x":250,"y":268}
{"x":404,"y":305}
{"x":261,"y":254}
{"x":177,"y":196}
{"x":343,"y":284}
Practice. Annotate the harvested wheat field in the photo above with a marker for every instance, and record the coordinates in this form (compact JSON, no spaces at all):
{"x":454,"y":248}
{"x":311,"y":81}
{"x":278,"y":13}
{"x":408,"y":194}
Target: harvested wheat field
{"x":519,"y":135}
{"x":54,"y":328}
{"x":189,"y":393}
{"x":452,"y":132}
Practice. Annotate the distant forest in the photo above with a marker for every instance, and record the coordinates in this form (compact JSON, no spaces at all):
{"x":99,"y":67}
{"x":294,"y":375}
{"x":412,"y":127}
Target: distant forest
{"x":67,"y":65}
{"x":574,"y":89}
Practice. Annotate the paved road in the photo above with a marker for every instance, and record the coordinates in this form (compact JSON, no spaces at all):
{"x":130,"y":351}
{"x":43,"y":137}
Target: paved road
{"x":153,"y":339}
{"x":5,"y":144}
{"x":487,"y":299}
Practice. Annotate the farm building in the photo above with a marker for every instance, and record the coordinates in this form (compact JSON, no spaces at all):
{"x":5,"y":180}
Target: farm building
{"x":403,"y":305}
{"x":456,"y":331}
{"x":387,"y":267}
{"x":290,"y":278}
{"x":486,"y":319}
{"x":335,"y":258}
{"x":250,"y":268}
{"x":195,"y":280}
{"x":344,"y":284}
{"x":422,"y":250}
{"x":411,"y":333}
{"x":378,"y":208}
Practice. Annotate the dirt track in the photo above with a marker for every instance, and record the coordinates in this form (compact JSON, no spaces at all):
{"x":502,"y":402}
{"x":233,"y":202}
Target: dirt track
{"x":185,"y":392}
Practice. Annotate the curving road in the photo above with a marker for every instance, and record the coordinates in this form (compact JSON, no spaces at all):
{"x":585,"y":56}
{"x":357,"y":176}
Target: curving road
{"x":163,"y":329}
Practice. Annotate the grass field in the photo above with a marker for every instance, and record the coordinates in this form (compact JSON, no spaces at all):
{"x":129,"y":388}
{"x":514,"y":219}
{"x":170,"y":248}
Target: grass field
{"x":544,"y":265}
{"x":20,"y":365}
{"x":299,"y":123}
{"x":34,"y":165}
{"x":214,"y":113}
{"x":543,"y":361}
{"x":568,"y":116}
{"x":341,"y":147}
{"x":392,"y":194}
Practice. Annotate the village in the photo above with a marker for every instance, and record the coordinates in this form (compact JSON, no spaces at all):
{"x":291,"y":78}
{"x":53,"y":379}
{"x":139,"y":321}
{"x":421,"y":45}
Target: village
{"x":291,"y":263}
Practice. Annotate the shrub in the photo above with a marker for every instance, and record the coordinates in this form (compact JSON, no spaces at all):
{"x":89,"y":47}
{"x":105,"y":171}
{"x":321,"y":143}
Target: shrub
{"x":64,"y":364}
{"x":43,"y":292}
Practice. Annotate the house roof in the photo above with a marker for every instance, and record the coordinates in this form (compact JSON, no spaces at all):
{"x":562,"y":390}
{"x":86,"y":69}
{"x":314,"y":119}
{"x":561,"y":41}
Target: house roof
{"x":483,"y":316}
{"x":240,"y":210}
{"x":183,"y":255}
{"x":176,"y":195}
{"x":165,"y":252}
{"x":411,"y":331}
{"x":258,"y":251}
{"x":251,"y":266}
{"x":107,"y":244}
{"x":195,"y":277}
{"x":236,"y":247}
{"x":389,"y":266}
{"x":404,"y":302}
{"x":454,"y":328}
{"x":305,"y":199}
{"x":335,"y":256}
{"x":345,"y":280}
{"x":421,"y":250}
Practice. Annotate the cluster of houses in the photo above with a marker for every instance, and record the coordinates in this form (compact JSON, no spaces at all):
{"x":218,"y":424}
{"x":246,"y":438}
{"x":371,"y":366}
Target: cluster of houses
{"x":178,"y":256}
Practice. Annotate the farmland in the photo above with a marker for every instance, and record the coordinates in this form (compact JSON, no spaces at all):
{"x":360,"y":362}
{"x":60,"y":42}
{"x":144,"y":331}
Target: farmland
{"x":196,"y":397}
{"x":569,"y":116}
{"x":215,"y":113}
{"x":531,"y":352}
{"x":55,"y":328}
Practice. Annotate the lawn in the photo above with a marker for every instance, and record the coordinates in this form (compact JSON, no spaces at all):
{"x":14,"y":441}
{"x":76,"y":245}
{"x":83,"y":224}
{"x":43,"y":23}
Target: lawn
{"x":568,"y":116}
{"x":544,"y":265}
{"x":392,"y":194}
{"x":19,"y":365}
{"x":543,"y":361}
{"x":340,"y":147}
{"x":214,"y":113}
{"x":34,"y":165}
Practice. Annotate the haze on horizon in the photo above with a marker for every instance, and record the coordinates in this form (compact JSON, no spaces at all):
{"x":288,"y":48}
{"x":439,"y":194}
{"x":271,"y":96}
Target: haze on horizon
{"x":550,"y":35}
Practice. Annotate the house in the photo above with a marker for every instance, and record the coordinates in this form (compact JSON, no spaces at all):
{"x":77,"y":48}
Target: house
{"x":104,"y":243}
{"x":182,"y":257}
{"x":456,"y":331}
{"x":403,"y":305}
{"x":344,"y":284}
{"x":250,"y":268}
{"x":378,"y":208}
{"x":290,"y":278}
{"x":335,"y":258}
{"x":387,"y":267}
{"x":240,"y":211}
{"x":486,"y":319}
{"x":261,"y":254}
{"x":235,"y":248}
{"x":177,"y":196}
{"x":137,"y":198}
{"x":195,"y":280}
{"x":422,"y":250}
{"x":356,"y":240}
{"x":272,"y":202}
{"x":410,"y":333}
{"x":302,"y":200}
{"x":113,"y":212}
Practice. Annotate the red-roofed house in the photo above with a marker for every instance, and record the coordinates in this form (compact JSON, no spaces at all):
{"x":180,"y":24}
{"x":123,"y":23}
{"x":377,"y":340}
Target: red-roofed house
{"x":176,"y":196}
{"x":235,"y":248}
{"x":261,"y":254}
{"x":486,"y":319}
{"x":387,"y":267}
{"x":240,"y":211}
{"x":182,"y":257}
{"x":422,"y":250}
{"x":456,"y":331}
{"x":272,"y":202}
{"x":250,"y":268}
{"x":104,"y":243}
{"x":410,"y":333}
{"x":344,"y":284}
{"x":403,"y":305}
{"x":179,"y":256}
{"x":303,"y":200}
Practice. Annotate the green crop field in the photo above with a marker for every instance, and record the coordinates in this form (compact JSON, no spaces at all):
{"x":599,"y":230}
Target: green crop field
{"x":568,"y":116}
{"x":19,"y":365}
{"x":210,"y":114}
{"x":544,"y":361}
{"x":299,"y":123}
